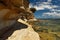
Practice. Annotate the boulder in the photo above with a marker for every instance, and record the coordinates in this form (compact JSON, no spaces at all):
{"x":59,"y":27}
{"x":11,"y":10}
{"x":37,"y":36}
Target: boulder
{"x":24,"y":34}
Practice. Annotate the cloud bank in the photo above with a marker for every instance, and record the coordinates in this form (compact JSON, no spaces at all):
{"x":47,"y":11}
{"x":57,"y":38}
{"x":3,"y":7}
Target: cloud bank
{"x":54,"y":9}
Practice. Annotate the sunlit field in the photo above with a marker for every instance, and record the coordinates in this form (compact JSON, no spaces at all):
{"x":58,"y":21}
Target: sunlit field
{"x":47,"y":29}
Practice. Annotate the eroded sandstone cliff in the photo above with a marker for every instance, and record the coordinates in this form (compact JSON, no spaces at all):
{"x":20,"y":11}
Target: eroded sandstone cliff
{"x":11,"y":10}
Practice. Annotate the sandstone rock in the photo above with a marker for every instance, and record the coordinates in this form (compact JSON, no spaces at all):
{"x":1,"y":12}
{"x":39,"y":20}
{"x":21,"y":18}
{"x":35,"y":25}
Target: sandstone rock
{"x":11,"y":10}
{"x":24,"y":34}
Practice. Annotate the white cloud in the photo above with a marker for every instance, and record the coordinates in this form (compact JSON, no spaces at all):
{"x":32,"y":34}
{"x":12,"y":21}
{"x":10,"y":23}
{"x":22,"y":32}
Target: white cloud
{"x":37,"y":7}
{"x":52,"y":14}
{"x":49,"y":0}
{"x":47,"y":5}
{"x":42,"y":6}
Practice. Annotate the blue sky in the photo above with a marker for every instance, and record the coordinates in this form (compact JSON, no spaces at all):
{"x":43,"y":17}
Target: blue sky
{"x":46,"y":8}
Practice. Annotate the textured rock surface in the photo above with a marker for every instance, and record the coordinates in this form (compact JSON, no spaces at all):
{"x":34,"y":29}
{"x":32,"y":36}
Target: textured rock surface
{"x":11,"y":10}
{"x":24,"y":34}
